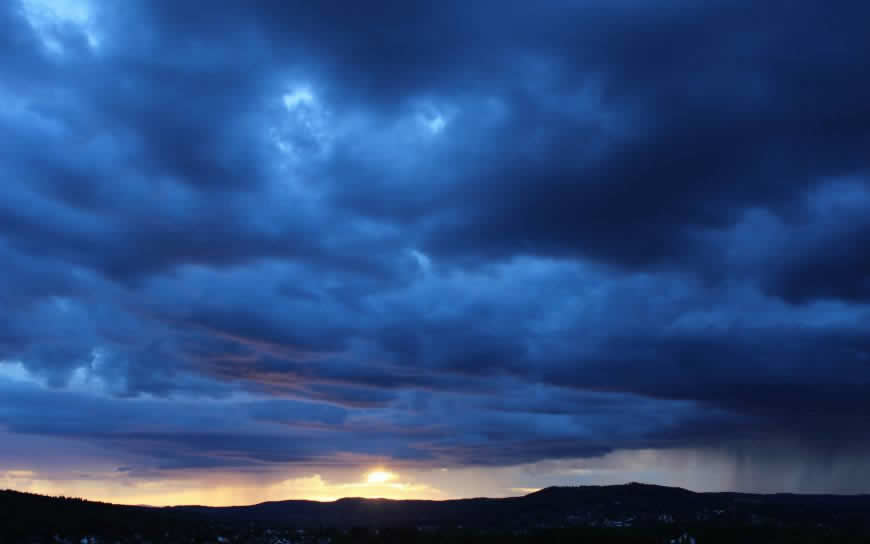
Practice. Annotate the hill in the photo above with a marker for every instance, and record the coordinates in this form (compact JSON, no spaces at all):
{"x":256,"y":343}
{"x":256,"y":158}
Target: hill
{"x":617,"y":505}
{"x":632,"y":509}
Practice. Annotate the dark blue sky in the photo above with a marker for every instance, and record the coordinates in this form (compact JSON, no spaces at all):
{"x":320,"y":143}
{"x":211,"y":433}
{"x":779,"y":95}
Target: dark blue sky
{"x":283,"y":239}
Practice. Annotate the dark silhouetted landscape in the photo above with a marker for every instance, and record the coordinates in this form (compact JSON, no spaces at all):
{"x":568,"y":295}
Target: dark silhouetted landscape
{"x":620,"y":513}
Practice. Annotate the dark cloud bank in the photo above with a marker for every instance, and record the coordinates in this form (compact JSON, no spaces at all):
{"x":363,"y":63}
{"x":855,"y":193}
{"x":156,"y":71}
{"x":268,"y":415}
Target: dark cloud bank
{"x":445,"y":233}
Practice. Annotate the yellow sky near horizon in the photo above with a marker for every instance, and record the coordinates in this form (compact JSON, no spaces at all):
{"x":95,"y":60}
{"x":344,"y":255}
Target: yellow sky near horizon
{"x":216,"y":489}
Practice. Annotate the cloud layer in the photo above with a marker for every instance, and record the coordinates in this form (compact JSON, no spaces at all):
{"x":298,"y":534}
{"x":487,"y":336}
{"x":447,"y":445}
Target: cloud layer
{"x":436,"y":233}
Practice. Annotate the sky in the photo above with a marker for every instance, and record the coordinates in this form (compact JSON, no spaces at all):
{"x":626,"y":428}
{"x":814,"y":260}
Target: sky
{"x":262,"y":250}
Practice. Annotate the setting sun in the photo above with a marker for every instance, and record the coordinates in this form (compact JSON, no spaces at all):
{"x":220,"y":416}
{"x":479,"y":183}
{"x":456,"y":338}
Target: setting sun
{"x":380,"y":477}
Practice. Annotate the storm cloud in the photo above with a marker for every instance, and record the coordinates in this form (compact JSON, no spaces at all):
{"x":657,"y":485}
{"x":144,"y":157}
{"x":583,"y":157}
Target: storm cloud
{"x":439,"y":233}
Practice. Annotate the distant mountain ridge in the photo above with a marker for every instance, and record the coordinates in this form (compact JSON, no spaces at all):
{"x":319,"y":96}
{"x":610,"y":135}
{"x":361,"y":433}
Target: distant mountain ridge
{"x":627,"y":504}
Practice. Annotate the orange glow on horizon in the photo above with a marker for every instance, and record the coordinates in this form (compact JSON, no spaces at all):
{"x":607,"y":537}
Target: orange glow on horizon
{"x":215,"y":490}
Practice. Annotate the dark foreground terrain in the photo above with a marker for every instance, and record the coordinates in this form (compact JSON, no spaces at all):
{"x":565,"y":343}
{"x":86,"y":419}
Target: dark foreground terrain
{"x":627,"y":513}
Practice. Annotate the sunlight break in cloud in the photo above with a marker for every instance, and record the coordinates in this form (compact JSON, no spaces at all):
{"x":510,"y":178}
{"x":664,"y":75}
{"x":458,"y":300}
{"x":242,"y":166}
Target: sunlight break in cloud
{"x":44,"y":16}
